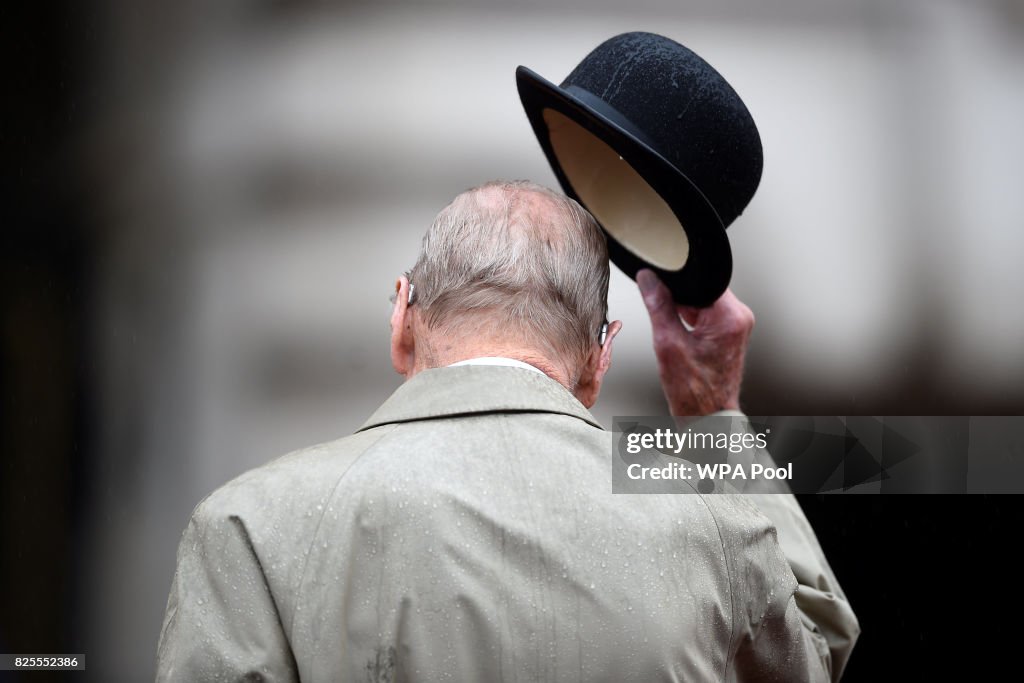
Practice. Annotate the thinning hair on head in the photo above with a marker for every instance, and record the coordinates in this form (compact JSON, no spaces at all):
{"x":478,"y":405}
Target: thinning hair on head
{"x":515,"y":259}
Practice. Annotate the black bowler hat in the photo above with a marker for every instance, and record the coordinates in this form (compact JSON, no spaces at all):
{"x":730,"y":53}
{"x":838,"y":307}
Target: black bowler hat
{"x":660,"y":148}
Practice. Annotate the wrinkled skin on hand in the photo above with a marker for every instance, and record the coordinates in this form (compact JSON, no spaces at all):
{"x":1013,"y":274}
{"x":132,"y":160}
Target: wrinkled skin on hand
{"x":701,"y":370}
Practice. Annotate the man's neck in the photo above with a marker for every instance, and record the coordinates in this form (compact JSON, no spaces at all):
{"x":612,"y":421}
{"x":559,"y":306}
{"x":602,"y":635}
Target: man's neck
{"x":536,"y":360}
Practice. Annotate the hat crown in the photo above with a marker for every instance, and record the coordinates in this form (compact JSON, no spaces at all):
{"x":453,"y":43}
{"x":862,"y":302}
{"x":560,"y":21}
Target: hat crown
{"x":682,"y":107}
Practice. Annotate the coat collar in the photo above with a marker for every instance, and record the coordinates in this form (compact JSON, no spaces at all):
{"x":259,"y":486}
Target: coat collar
{"x":473,"y":389}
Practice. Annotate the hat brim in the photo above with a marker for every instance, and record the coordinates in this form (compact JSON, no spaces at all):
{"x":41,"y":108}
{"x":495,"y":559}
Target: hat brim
{"x":708,"y":268}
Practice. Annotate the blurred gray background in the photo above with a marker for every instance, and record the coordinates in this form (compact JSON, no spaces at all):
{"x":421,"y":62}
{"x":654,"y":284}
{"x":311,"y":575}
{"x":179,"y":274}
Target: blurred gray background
{"x":250,"y":177}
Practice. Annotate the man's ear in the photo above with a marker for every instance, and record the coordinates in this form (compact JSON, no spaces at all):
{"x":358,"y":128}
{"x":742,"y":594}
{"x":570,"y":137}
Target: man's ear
{"x":403,"y":347}
{"x":589,"y":385}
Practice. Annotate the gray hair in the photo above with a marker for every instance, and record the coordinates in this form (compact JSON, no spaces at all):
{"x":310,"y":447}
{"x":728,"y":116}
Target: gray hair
{"x":516,"y":259}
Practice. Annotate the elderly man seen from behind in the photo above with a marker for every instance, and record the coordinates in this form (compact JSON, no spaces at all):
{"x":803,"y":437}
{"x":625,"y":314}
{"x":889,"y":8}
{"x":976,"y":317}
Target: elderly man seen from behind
{"x":468,"y":530}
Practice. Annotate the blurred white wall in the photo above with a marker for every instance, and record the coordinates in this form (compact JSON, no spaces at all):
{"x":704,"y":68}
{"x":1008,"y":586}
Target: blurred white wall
{"x":265,"y":171}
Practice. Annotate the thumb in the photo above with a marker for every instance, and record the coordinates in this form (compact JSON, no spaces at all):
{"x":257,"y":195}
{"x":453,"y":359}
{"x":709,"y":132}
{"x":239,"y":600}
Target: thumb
{"x":658,"y":300}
